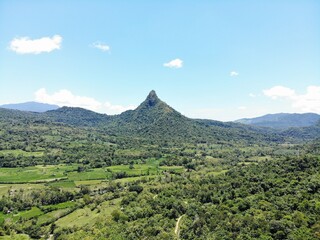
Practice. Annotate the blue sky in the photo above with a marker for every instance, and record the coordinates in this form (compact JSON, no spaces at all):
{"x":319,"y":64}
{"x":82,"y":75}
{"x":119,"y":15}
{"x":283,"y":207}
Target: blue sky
{"x":220,"y":60}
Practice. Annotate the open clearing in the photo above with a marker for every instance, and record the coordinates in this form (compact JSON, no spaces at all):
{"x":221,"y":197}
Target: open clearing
{"x":68,"y":178}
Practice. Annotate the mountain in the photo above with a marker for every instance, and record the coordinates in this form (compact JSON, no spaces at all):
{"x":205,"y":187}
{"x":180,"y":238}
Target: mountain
{"x":153,"y":119}
{"x":302,"y":133}
{"x":76,"y":116}
{"x":30,"y":106}
{"x":283,"y":120}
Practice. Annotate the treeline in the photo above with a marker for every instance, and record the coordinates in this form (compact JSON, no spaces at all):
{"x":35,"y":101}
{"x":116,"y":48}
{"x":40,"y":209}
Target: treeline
{"x":18,"y":200}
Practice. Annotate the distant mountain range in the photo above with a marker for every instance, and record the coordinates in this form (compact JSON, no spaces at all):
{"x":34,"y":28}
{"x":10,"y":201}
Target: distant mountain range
{"x":30,"y":106}
{"x":154,"y":119}
{"x":283,"y":120}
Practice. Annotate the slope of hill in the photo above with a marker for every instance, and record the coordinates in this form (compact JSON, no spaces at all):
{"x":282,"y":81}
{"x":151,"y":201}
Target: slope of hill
{"x":76,"y":117}
{"x":154,"y":119}
{"x":283,"y":120}
{"x":303,"y":133}
{"x":30,"y":106}
{"x":16,"y":116}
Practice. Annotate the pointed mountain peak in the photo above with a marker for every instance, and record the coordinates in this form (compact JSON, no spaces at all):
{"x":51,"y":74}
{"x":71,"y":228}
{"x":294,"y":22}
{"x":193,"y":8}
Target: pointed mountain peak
{"x":152,"y":99}
{"x":152,"y":95}
{"x":150,"y":111}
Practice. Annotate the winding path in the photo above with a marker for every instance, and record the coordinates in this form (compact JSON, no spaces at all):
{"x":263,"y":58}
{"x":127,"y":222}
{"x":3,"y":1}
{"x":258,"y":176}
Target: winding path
{"x":177,"y":228}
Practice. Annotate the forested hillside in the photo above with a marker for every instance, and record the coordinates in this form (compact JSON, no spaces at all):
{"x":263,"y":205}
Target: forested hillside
{"x":152,"y":119}
{"x":152,"y":173}
{"x":270,"y":200}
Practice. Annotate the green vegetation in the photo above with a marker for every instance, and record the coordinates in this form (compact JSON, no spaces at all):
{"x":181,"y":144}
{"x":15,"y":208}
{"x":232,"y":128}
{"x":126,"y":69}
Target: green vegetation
{"x":33,"y":174}
{"x":152,"y":173}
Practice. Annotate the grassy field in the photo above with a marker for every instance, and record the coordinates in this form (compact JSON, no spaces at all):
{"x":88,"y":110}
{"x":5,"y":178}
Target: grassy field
{"x":138,"y":169}
{"x":86,"y":216}
{"x":18,"y":152}
{"x":15,"y":237}
{"x":60,"y":206}
{"x":63,"y":184}
{"x":178,"y":169}
{"x":132,"y":179}
{"x":35,"y":173}
{"x":54,"y":212}
{"x":87,"y":182}
{"x":4,"y":188}
{"x":67,"y":176}
{"x":151,"y":167}
{"x":52,"y":216}
{"x":33,"y":212}
{"x":91,"y":174}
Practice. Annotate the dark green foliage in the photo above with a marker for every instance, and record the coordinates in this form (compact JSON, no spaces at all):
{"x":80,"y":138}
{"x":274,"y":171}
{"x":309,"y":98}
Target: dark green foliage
{"x":22,"y":200}
{"x":153,"y":119}
{"x":273,"y":200}
{"x":304,"y":133}
{"x":76,"y":116}
{"x":136,"y":188}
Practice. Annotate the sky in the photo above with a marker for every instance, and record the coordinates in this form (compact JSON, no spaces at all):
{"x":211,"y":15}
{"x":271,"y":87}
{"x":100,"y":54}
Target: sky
{"x":214,"y":59}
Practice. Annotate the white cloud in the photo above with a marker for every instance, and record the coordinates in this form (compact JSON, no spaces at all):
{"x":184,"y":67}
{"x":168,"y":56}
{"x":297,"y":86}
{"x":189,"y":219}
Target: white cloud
{"x":115,"y":109}
{"x":176,"y":63}
{"x":103,"y":47}
{"x":234,"y":74}
{"x":25,"y":45}
{"x":66,"y":98}
{"x":308,"y":102}
{"x":252,"y":95}
{"x":242,"y":108}
{"x":279,"y":92}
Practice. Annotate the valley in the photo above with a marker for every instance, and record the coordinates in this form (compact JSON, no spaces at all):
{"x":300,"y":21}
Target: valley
{"x":152,"y":173}
{"x":159,"y":120}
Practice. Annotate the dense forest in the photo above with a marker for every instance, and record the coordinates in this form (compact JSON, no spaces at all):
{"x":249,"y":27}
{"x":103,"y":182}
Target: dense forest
{"x":152,"y":173}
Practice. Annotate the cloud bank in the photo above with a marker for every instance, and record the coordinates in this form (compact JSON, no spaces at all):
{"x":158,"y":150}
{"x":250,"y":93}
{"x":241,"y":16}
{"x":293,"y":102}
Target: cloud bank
{"x":25,"y":45}
{"x":64,"y":97}
{"x":308,"y":102}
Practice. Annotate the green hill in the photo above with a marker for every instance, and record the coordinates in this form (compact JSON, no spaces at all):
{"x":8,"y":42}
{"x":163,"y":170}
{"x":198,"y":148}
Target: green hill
{"x":155,"y":119}
{"x":76,"y":116}
{"x":152,"y":119}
